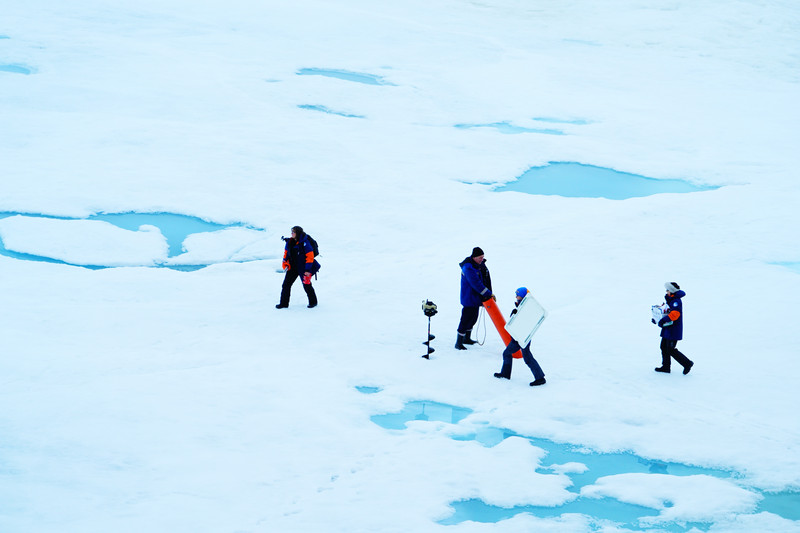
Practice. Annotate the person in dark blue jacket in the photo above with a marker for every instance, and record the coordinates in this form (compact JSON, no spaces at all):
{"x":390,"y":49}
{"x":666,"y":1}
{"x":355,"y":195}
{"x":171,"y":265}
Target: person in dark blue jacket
{"x":298,"y":260}
{"x":671,"y":325}
{"x":476,"y":288}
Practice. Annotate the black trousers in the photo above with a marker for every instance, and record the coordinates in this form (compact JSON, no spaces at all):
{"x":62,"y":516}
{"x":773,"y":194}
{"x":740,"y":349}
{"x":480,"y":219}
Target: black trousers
{"x":668,"y":349}
{"x":469,"y":316}
{"x":286,"y":289}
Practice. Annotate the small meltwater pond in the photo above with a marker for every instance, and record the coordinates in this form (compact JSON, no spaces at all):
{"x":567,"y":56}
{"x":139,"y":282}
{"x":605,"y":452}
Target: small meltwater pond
{"x":324,"y":109}
{"x":576,"y":180}
{"x":105,"y":240}
{"x":16,"y":68}
{"x":588,"y":470}
{"x":510,"y":129}
{"x":346,"y":75}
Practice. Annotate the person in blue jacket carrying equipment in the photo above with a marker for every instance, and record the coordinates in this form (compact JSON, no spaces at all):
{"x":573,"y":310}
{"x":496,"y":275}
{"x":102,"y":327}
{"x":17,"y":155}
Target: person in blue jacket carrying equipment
{"x":476,"y":288}
{"x":527,"y":356}
{"x":298,"y":260}
{"x":671,"y":325}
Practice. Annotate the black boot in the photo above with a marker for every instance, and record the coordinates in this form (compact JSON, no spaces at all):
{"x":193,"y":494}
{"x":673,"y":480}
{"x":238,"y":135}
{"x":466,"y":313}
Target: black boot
{"x":460,"y":342}
{"x":665,"y":361}
{"x":687,"y":367}
{"x":312,"y":295}
{"x":467,"y":339}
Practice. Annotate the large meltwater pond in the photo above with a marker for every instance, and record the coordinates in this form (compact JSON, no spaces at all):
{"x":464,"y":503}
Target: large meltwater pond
{"x":588,"y":470}
{"x":106,"y":240}
{"x":578,"y":180}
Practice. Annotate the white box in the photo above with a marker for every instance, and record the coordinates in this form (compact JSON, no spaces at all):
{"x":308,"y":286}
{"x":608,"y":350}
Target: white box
{"x":524,"y":323}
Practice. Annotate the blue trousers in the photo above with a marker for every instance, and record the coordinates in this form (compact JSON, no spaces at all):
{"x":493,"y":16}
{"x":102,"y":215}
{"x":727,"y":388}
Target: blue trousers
{"x":527,"y":357}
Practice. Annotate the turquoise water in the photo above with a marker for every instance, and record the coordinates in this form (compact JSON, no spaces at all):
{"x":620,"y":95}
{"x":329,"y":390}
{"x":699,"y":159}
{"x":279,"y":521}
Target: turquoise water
{"x":576,"y":180}
{"x":785,"y":504}
{"x":509,"y":129}
{"x":368,"y":390}
{"x":599,"y":509}
{"x":324,"y":109}
{"x":422,"y":411}
{"x":16,"y":69}
{"x":358,"y":77}
{"x":174,"y":227}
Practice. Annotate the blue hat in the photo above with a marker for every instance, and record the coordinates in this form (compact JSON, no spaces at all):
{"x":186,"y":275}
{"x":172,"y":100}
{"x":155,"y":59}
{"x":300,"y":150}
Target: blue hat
{"x":522,"y":292}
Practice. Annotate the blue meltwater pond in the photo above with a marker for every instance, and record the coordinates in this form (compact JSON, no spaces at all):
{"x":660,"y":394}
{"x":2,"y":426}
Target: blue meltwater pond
{"x":507,"y":128}
{"x":16,"y":69}
{"x":324,"y":109}
{"x":346,"y":75}
{"x":785,"y":504}
{"x":577,"y":180}
{"x":174,"y":227}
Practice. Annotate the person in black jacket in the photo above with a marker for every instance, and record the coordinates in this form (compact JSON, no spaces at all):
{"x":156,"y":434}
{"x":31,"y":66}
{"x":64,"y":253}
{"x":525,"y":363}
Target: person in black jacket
{"x":298,"y":260}
{"x":476,"y":288}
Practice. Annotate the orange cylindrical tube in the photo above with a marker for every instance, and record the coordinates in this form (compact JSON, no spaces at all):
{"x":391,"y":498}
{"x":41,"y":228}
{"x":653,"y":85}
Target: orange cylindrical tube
{"x":499,"y":323}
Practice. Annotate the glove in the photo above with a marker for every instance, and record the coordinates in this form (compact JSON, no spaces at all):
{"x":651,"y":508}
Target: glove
{"x":653,"y":320}
{"x":487,"y":298}
{"x":307,"y":278}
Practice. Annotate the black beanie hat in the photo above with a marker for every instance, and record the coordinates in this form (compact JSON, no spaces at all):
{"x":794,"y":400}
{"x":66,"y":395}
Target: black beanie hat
{"x":476,"y":252}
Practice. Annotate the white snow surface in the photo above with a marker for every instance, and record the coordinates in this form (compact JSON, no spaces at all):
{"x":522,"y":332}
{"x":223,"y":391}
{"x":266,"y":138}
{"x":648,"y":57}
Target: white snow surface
{"x":676,"y":496}
{"x":230,"y":244}
{"x":146,"y":399}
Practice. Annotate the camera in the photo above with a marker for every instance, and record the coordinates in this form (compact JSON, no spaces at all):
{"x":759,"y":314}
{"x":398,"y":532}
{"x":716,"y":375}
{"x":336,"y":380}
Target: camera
{"x":429,"y":308}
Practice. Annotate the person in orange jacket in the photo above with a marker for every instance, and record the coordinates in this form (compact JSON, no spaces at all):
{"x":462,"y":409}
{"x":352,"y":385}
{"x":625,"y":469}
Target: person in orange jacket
{"x":298,"y":261}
